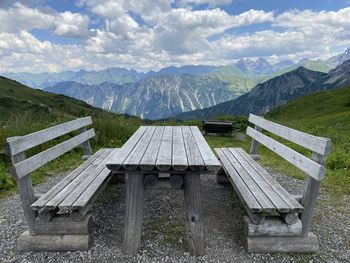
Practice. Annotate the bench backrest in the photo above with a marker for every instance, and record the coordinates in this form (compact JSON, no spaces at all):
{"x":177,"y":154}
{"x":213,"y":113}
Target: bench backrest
{"x":16,"y":146}
{"x":320,"y":146}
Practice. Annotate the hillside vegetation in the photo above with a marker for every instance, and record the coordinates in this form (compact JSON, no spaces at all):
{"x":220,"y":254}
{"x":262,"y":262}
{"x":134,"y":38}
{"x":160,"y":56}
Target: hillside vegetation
{"x":325,"y":114}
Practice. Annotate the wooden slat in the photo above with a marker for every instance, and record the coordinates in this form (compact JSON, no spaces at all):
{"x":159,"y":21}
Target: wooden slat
{"x":179,"y":158}
{"x":210,"y":161}
{"x":116,"y":161}
{"x":308,"y":166}
{"x":57,"y":199}
{"x":283,"y":193}
{"x":26,"y":142}
{"x":148,"y":161}
{"x":40,"y":203}
{"x":135,"y":156}
{"x":34,"y":162}
{"x":277,"y":201}
{"x":316,"y":144}
{"x":91,"y":190}
{"x":163,"y":162}
{"x":259,"y":195}
{"x":194,"y":157}
{"x":238,"y":184}
{"x":74,"y":195}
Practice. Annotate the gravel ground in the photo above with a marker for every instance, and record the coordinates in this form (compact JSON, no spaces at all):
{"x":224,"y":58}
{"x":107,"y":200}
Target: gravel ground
{"x":163,"y":238}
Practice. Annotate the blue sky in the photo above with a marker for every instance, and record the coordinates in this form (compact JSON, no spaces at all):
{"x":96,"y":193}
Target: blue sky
{"x":38,"y":35}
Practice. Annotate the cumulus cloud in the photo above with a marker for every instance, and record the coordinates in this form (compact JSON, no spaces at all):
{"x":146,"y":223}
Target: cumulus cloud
{"x":149,"y":35}
{"x":20,"y":17}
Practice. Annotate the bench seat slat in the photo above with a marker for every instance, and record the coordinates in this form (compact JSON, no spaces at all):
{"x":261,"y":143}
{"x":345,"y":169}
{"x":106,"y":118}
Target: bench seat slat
{"x":41,"y":202}
{"x":56,"y":200}
{"x":87,"y":188}
{"x":266,"y":188}
{"x":283,"y":193}
{"x":240,"y":187}
{"x":260,"y":196}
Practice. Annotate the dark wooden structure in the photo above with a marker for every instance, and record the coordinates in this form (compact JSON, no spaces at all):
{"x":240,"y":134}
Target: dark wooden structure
{"x":218,"y":127}
{"x":277,"y":221}
{"x":59,"y":219}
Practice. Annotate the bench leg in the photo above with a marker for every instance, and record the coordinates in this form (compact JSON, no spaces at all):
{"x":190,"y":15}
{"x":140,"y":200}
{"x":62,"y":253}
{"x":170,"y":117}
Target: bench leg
{"x":194,"y":221}
{"x":133,"y":214}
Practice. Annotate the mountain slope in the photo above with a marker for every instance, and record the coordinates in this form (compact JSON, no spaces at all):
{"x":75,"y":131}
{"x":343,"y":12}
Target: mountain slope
{"x":18,"y":100}
{"x":153,"y":97}
{"x":278,"y":91}
{"x":43,"y":80}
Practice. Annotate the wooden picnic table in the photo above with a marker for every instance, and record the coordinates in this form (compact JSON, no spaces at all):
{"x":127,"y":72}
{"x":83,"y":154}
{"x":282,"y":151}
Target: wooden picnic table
{"x":181,"y":152}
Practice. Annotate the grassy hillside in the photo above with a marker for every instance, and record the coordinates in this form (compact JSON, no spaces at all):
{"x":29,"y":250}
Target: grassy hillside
{"x":325,"y":114}
{"x":24,"y":110}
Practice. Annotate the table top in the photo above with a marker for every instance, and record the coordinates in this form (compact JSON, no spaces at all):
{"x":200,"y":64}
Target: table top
{"x":165,"y":149}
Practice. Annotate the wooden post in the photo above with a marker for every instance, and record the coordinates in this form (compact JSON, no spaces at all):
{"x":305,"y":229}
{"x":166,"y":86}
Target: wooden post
{"x":86,"y":145}
{"x":255,"y":145}
{"x":26,"y":193}
{"x":194,"y":221}
{"x":133,"y":214}
{"x":309,"y":197}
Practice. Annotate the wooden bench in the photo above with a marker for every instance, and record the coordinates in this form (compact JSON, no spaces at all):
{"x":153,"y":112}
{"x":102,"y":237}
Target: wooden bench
{"x":277,"y":221}
{"x":218,"y":127}
{"x":59,"y":219}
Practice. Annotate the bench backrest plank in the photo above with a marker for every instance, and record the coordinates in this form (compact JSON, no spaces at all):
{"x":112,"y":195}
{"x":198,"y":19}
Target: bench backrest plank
{"x":32,"y":163}
{"x":26,"y":142}
{"x":305,"y":164}
{"x":316,"y":144}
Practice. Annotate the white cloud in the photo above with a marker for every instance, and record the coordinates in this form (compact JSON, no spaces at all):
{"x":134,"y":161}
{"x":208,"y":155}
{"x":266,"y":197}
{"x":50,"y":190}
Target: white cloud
{"x":20,"y":17}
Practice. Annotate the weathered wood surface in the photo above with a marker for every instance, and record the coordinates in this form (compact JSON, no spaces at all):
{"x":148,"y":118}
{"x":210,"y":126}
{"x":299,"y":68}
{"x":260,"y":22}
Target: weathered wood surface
{"x":179,"y":157}
{"x":283,"y":193}
{"x":23,"y":143}
{"x":164,"y":158}
{"x":149,"y":159}
{"x":316,"y":144}
{"x":194,"y":220}
{"x":309,"y":197}
{"x":64,"y":225}
{"x":238,"y":184}
{"x":78,"y":191}
{"x":305,"y":164}
{"x":86,"y":145}
{"x":27,"y":242}
{"x":176,"y":180}
{"x":32,"y":163}
{"x":272,"y":227}
{"x":150,"y":180}
{"x":208,"y":157}
{"x":165,"y":149}
{"x":133,"y":214}
{"x":27,"y":196}
{"x":40,"y":203}
{"x":306,"y":244}
{"x":118,"y":158}
{"x":254,"y":147}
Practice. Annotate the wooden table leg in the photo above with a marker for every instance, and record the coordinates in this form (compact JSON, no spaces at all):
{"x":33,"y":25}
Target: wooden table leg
{"x":194,"y":221}
{"x":133,"y":214}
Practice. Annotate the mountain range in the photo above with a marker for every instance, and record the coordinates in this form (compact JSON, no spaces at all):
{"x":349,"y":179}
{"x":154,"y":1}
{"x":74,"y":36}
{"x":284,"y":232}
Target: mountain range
{"x":277,"y":91}
{"x":153,"y":97}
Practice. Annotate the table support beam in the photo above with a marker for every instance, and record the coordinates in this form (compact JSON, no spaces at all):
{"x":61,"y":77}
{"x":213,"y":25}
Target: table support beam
{"x":194,"y":220}
{"x":133,"y":214}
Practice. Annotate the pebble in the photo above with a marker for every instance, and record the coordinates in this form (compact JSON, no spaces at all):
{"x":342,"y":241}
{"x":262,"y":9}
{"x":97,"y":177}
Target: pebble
{"x":164,"y":237}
